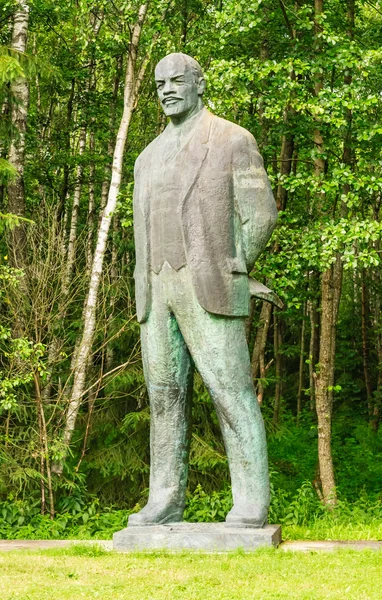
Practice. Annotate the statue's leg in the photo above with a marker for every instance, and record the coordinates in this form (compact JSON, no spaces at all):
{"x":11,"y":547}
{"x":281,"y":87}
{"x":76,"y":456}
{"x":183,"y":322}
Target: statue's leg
{"x":168,"y":373}
{"x":219,"y":348}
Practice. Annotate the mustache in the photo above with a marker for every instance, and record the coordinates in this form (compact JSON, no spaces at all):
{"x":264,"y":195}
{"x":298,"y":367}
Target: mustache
{"x":171,"y":98}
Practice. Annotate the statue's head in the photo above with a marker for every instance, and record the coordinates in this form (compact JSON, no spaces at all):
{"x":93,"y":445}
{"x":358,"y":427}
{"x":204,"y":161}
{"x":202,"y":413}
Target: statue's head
{"x":180,"y":85}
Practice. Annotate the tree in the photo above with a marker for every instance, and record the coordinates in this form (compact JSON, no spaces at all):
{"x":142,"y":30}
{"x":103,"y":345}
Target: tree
{"x":19,"y":112}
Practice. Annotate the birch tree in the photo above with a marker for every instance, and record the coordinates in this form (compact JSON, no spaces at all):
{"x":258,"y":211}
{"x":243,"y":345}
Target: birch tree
{"x":20,"y":94}
{"x":133,"y":82}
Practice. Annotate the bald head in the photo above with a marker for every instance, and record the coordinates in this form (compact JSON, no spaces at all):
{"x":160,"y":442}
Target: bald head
{"x":180,"y":85}
{"x":178,"y":59}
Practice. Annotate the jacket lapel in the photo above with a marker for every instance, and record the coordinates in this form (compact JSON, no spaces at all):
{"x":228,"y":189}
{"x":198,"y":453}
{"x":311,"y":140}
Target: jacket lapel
{"x":193,"y":154}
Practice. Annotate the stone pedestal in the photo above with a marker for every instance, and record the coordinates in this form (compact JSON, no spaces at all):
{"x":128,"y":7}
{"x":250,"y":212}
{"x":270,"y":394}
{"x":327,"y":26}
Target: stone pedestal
{"x":209,"y":537}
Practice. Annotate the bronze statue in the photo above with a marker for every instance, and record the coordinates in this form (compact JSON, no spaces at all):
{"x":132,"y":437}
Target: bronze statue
{"x":203,"y":212}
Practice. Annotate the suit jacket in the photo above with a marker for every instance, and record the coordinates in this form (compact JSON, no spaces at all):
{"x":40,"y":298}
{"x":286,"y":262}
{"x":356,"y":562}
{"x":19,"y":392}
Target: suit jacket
{"x":227,"y":210}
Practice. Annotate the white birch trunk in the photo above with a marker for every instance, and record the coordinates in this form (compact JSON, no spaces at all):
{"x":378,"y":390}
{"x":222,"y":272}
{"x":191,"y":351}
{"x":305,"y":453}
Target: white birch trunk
{"x":20,"y":93}
{"x":90,"y":223}
{"x":106,"y":181}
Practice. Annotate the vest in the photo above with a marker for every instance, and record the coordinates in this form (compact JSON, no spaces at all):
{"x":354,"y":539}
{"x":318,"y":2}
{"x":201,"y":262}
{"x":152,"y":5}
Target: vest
{"x":165,"y":221}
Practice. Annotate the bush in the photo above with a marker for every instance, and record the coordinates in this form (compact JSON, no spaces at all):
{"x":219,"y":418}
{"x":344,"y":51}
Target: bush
{"x":20,"y":520}
{"x":301,"y":509}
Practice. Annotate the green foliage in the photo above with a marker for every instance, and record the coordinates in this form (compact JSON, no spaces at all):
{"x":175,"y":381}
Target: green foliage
{"x":7,"y":172}
{"x":23,"y":520}
{"x":10,"y":68}
{"x":9,"y":221}
{"x":301,"y":513}
{"x":15,"y":351}
{"x":261,"y":63}
{"x":204,"y":508}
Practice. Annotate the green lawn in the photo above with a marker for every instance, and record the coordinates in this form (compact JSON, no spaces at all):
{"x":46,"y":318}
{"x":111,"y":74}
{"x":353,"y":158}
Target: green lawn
{"x":325,"y":529}
{"x":88,"y":573}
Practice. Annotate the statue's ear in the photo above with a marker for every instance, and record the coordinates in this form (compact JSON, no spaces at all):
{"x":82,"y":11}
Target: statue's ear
{"x":201,"y":86}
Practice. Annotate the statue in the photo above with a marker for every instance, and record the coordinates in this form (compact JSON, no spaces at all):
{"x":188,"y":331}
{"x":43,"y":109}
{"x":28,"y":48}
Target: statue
{"x":203,"y":212}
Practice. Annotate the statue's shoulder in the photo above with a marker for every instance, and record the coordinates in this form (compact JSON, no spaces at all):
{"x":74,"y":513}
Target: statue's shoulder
{"x":232,"y":132}
{"x":145,"y":157}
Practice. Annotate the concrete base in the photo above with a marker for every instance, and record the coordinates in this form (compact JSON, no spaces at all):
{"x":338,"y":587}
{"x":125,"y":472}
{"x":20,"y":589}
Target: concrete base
{"x":209,"y":537}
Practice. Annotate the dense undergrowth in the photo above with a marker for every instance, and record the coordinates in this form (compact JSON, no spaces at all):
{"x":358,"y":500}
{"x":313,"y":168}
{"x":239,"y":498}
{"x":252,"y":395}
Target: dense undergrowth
{"x":301,"y":514}
{"x":294,"y":501}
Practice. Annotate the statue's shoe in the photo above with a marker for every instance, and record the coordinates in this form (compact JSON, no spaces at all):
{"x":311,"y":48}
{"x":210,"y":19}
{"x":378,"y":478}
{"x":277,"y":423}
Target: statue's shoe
{"x":156,"y":514}
{"x":247,"y":515}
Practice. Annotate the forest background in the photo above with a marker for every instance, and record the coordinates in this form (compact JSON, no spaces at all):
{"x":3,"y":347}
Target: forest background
{"x":78,"y":104}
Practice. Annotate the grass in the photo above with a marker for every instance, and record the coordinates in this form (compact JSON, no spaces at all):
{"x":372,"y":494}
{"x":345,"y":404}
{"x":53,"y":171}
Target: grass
{"x":320,"y":529}
{"x":328,"y":529}
{"x":89,"y":572}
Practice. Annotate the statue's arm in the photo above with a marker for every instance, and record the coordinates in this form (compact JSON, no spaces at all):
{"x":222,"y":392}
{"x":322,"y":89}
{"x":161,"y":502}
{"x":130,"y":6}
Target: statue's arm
{"x":138,"y":219}
{"x":254,"y":199}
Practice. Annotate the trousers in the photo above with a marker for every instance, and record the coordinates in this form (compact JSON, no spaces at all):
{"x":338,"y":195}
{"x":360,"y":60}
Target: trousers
{"x":177,"y":335}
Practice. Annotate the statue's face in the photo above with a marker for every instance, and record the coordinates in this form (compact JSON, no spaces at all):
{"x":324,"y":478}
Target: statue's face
{"x":179,"y":88}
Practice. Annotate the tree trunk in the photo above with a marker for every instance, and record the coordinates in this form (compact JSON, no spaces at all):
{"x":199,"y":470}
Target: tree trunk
{"x":66,"y":146}
{"x":264,"y":56}
{"x":249,"y":320}
{"x":330,"y":296}
{"x":258,"y":353}
{"x":313,"y":349}
{"x":319,"y":161}
{"x":301,"y":365}
{"x":377,"y":327}
{"x":277,"y":341}
{"x":378,"y":400}
{"x":112,"y":288}
{"x":90,"y":220}
{"x":42,"y":459}
{"x":92,"y":397}
{"x":365,"y":319}
{"x":132,"y":84}
{"x":104,"y":194}
{"x":106,"y":181}
{"x":44,"y":440}
{"x":183,"y":38}
{"x":20,"y":100}
{"x":286,"y":155}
